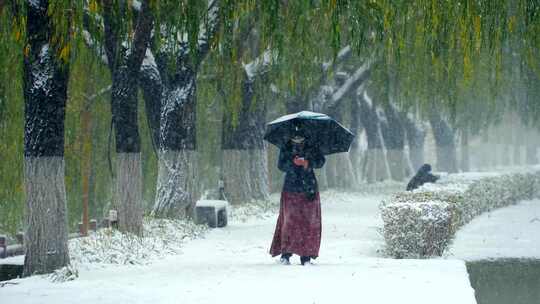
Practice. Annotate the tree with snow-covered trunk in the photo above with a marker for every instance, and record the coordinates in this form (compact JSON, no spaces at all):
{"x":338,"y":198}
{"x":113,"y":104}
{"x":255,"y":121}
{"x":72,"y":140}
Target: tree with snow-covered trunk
{"x":444,"y":140}
{"x":340,"y":171}
{"x":394,"y":138}
{"x":244,"y":162}
{"x":355,"y":128}
{"x":176,"y":189}
{"x":415,"y":134}
{"x":244,"y":157}
{"x":152,"y":90}
{"x":374,"y":167}
{"x":124,"y":60}
{"x":45,"y":83}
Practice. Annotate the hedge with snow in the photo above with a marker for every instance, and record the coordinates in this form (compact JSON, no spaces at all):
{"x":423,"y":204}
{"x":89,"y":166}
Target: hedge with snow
{"x":422,"y":223}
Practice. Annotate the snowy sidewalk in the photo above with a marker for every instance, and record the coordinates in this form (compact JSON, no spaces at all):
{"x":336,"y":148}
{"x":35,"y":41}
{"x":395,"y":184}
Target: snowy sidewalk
{"x":231,"y":265}
{"x":510,"y":232}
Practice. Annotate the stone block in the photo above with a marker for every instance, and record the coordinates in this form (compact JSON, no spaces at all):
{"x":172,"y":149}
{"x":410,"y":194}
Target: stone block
{"x":211,"y":212}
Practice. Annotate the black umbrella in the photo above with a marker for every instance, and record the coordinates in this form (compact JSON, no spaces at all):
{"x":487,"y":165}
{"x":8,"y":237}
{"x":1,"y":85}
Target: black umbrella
{"x":319,"y":130}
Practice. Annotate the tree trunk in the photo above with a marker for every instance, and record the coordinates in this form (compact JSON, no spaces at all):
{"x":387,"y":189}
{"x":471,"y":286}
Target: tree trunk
{"x":415,"y":136}
{"x":259,"y":174}
{"x":339,"y":169}
{"x":177,"y":189}
{"x":394,"y":139}
{"x":176,"y":192}
{"x":45,"y":81}
{"x":445,"y":146}
{"x":331,"y":171}
{"x":86,"y":163}
{"x":46,"y":233}
{"x":244,"y":163}
{"x":297,"y":103}
{"x":320,"y":174}
{"x":485,"y":152}
{"x":465,"y":160}
{"x":129,"y":192}
{"x":345,"y":177}
{"x":374,"y":164}
{"x":176,"y":183}
{"x":125,"y":66}
{"x":274,"y":175}
{"x":532,"y":153}
{"x":128,"y":183}
{"x":531,"y":146}
{"x":517,"y":142}
{"x":354,"y":152}
{"x":152,"y":88}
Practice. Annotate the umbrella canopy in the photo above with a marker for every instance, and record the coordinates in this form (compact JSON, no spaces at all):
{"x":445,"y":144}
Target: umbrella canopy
{"x":319,"y":130}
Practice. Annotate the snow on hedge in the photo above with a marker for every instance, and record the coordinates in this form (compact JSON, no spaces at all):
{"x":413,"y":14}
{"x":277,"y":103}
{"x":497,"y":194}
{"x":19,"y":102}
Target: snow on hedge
{"x":423,"y":222}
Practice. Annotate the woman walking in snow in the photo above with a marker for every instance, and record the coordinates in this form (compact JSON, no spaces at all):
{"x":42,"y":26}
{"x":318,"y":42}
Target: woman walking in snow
{"x":298,"y":228}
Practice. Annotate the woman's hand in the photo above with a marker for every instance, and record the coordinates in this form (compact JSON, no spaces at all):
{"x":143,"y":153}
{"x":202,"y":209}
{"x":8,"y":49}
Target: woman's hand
{"x":300,"y":161}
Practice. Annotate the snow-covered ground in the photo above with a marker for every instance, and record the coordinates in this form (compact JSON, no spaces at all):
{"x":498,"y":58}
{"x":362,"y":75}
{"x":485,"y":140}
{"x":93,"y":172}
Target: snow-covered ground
{"x":231,"y":265}
{"x":510,"y":232}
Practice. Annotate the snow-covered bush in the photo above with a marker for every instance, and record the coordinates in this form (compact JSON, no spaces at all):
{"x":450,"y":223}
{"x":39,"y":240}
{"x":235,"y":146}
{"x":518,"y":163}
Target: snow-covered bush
{"x":417,"y":229}
{"x":423,"y":222}
{"x":109,"y":246}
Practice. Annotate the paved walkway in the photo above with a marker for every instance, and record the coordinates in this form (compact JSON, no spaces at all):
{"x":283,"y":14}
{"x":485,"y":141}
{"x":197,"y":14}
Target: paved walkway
{"x":510,"y":232}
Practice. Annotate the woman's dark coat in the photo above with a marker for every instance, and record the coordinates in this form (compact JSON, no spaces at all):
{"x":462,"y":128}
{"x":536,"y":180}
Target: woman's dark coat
{"x":298,"y":179}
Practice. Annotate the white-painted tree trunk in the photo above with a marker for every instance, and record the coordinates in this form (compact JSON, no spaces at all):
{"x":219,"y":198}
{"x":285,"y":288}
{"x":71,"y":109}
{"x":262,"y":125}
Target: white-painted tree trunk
{"x":331,"y":171}
{"x":129,"y":192}
{"x":356,"y":159}
{"x":46,"y":219}
{"x":260,"y":184}
{"x":345,"y":178}
{"x":397,"y":163}
{"x":320,"y":175}
{"x":176,"y":184}
{"x":275,"y":176}
{"x":465,"y":154}
{"x":245,"y":175}
{"x":375,"y":166}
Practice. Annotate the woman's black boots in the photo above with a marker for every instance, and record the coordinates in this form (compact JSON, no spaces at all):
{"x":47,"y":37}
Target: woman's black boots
{"x":285,"y":258}
{"x":305,"y":259}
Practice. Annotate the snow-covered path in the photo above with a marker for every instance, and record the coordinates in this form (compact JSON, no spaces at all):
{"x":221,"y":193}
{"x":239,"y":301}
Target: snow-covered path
{"x":231,"y":265}
{"x":510,"y":232}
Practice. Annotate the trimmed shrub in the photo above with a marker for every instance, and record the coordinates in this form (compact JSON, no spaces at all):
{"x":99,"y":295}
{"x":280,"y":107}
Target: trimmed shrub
{"x":422,"y":223}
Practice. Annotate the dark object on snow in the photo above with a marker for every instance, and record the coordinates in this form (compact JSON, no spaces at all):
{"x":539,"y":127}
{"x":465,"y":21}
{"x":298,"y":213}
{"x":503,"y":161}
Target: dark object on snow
{"x":319,"y":130}
{"x":211,"y":212}
{"x":305,"y":259}
{"x":298,"y":228}
{"x":10,"y":271}
{"x":422,"y":176}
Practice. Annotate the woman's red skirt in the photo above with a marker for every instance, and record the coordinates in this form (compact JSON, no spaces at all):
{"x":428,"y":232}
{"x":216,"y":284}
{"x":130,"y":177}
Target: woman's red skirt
{"x":298,"y":228}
